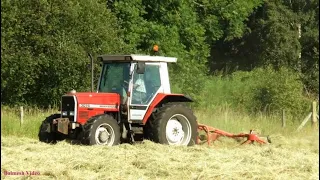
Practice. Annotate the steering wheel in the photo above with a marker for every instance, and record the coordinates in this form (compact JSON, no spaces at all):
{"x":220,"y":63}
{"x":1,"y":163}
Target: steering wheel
{"x":149,"y":98}
{"x":152,"y":94}
{"x":124,"y":84}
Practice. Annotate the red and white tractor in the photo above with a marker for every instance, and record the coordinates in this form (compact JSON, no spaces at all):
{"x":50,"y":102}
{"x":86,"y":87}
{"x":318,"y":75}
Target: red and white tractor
{"x":133,"y":101}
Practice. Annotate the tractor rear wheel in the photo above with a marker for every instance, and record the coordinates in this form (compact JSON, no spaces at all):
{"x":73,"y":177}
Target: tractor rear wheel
{"x":101,"y":130}
{"x":46,"y":133}
{"x":173,"y":124}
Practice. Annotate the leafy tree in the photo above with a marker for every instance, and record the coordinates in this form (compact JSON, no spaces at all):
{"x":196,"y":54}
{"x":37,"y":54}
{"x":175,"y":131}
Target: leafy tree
{"x":44,"y":46}
{"x":308,"y":13}
{"x":225,"y":20}
{"x":273,"y":39}
{"x":280,"y":42}
{"x":175,"y":27}
{"x":186,"y":29}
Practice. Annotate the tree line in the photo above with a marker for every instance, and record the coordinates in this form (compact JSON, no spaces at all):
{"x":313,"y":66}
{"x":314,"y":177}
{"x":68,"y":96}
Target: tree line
{"x":44,"y":43}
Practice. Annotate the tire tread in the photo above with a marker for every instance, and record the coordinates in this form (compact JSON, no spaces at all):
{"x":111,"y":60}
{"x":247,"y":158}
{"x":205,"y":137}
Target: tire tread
{"x":154,"y":124}
{"x":87,"y":128}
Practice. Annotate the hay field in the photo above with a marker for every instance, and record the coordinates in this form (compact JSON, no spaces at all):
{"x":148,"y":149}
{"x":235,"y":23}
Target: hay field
{"x":285,"y":158}
{"x":291,"y":155}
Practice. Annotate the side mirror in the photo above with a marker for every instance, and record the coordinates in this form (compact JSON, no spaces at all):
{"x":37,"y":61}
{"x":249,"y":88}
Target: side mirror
{"x":141,"y":67}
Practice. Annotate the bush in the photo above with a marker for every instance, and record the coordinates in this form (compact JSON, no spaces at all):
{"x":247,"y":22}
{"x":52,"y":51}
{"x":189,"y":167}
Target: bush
{"x":263,"y":89}
{"x":270,"y":90}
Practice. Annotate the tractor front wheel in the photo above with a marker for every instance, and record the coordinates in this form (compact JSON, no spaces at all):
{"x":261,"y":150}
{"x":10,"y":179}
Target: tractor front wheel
{"x":47,"y":132}
{"x":101,"y":130}
{"x":174,"y":124}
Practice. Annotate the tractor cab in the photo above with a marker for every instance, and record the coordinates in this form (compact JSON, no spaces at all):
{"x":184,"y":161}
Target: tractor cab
{"x":136,"y":78}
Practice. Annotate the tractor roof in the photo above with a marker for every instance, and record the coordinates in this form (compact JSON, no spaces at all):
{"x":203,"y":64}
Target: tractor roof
{"x":136,"y":57}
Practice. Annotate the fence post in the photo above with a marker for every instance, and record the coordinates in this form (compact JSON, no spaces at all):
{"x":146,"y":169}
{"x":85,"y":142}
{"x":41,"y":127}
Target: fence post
{"x":21,"y":115}
{"x":314,"y":114}
{"x":304,"y":121}
{"x":283,"y":118}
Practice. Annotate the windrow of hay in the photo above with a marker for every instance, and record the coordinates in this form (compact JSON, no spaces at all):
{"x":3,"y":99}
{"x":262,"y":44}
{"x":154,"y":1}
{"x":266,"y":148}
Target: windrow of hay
{"x":287,"y":158}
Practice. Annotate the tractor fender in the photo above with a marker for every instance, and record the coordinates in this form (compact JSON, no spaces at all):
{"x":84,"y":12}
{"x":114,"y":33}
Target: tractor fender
{"x":162,"y":98}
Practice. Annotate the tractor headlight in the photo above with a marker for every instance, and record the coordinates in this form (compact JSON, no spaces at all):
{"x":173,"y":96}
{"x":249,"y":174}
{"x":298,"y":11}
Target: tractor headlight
{"x":71,"y":113}
{"x":64,"y":113}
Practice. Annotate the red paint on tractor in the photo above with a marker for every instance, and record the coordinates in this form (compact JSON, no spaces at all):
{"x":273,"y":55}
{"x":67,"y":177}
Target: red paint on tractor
{"x":91,"y":104}
{"x":159,"y":97}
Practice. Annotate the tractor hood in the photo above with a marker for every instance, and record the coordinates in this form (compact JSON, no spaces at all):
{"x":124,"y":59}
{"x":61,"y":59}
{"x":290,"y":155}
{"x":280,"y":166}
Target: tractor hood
{"x":81,"y":106}
{"x":97,"y":100}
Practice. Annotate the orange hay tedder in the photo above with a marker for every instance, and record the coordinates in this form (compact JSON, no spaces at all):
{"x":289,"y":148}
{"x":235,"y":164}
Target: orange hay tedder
{"x":133,"y":101}
{"x":214,"y":133}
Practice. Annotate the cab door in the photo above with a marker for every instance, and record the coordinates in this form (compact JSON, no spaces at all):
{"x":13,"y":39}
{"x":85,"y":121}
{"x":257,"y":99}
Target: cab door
{"x":144,"y":88}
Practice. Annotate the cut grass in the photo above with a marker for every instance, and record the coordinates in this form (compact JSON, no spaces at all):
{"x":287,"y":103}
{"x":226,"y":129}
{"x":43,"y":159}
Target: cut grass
{"x":291,"y":155}
{"x":291,"y":159}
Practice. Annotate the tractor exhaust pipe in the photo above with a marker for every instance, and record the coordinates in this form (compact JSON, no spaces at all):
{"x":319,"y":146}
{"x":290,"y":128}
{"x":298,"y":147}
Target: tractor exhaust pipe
{"x":91,"y":59}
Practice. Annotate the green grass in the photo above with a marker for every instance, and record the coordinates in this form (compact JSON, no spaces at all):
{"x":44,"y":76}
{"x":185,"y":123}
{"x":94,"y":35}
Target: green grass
{"x":223,"y":118}
{"x":217,"y":91}
{"x":10,"y":121}
{"x":234,"y":121}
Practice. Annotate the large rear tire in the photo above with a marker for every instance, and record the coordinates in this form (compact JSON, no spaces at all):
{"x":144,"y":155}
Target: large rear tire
{"x":173,"y":124}
{"x":101,"y":130}
{"x":46,"y":133}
